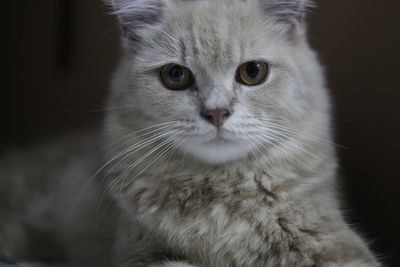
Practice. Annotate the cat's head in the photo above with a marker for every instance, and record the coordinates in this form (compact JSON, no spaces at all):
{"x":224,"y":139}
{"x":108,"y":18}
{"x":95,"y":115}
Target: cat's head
{"x":218,"y":79}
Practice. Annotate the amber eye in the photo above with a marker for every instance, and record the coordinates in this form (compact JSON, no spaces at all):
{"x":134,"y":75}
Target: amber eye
{"x":252,"y":73}
{"x":176,"y":77}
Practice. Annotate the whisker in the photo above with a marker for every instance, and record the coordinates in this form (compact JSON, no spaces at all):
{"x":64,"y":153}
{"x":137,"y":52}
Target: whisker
{"x":271,"y":140}
{"x":271,"y":124}
{"x":141,"y":159}
{"x":134,"y":133}
{"x":170,"y":148}
{"x":141,"y":146}
{"x":93,"y":176}
{"x":283,"y":141}
{"x":254,"y":144}
{"x":124,"y":174}
{"x":164,"y":151}
{"x":138,"y":146}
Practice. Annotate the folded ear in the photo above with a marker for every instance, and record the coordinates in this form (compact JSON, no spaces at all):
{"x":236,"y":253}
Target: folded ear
{"x":289,"y":12}
{"x":135,"y":14}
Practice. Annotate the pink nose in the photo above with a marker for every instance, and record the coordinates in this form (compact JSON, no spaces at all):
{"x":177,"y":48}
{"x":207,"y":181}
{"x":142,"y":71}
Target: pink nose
{"x":216,"y":117}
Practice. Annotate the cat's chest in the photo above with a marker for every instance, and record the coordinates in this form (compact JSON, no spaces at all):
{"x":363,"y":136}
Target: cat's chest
{"x":200,"y":216}
{"x":186,"y":197}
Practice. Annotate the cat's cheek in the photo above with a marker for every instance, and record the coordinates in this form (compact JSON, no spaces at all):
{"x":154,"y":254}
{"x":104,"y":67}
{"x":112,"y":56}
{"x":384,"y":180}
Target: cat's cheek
{"x":163,"y":105}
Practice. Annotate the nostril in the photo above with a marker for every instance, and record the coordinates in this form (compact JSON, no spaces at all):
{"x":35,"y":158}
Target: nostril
{"x":208,"y":117}
{"x":216,"y":117}
{"x":226,"y":114}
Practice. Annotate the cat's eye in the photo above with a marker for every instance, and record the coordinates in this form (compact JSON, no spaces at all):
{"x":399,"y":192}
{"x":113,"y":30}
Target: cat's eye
{"x":176,"y":77}
{"x":252,"y":73}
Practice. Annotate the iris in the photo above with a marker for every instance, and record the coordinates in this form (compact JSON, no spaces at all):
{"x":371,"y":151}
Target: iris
{"x":176,"y":77}
{"x":252,"y":73}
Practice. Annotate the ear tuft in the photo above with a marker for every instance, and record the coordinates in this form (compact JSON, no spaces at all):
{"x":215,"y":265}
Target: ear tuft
{"x":135,"y":14}
{"x":290,"y":12}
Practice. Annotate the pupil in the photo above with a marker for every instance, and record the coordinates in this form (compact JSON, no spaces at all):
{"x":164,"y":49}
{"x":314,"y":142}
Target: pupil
{"x":253,"y":69}
{"x":176,"y":74}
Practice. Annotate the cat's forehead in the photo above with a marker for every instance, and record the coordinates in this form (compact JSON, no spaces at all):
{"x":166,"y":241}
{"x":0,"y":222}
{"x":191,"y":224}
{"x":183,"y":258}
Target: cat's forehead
{"x":215,"y":34}
{"x":218,"y":30}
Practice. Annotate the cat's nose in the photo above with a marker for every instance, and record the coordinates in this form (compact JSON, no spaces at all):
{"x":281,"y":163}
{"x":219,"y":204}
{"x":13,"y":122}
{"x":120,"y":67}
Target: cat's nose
{"x":216,"y":117}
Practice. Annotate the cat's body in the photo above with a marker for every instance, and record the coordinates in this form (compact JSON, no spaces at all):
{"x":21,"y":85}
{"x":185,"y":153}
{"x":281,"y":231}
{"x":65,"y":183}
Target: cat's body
{"x":258,"y":191}
{"x":220,"y":173}
{"x":50,"y":211}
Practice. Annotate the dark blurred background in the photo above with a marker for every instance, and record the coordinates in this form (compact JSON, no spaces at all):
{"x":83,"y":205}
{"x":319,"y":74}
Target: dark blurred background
{"x":58,"y":57}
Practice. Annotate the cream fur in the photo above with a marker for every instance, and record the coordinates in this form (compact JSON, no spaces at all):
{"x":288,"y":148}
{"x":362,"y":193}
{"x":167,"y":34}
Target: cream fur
{"x":261,"y":192}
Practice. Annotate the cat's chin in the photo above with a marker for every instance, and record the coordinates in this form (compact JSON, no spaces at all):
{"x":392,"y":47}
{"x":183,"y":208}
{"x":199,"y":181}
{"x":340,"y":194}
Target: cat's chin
{"x":217,"y":151}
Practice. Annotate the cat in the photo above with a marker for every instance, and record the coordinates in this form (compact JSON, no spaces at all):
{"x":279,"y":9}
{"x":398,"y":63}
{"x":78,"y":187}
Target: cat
{"x":223,"y":152}
{"x":218,"y":151}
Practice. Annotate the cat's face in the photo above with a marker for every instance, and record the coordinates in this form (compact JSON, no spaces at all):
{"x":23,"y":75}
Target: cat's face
{"x":222,"y":72}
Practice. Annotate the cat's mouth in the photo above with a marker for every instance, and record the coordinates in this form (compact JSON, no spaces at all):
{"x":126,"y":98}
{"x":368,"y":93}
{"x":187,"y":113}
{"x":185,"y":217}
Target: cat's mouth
{"x":218,"y":140}
{"x":219,"y":137}
{"x":216,"y":147}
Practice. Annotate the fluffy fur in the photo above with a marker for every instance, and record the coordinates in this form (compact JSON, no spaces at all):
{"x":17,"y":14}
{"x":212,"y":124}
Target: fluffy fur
{"x":260,"y":192}
{"x":49,"y":209}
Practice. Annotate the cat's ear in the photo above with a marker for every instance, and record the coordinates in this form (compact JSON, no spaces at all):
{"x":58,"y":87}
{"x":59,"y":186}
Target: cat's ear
{"x":134,"y":15}
{"x":288,"y":12}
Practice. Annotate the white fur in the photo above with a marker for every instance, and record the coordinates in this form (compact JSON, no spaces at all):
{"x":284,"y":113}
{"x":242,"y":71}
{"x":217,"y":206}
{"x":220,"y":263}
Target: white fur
{"x":258,"y":191}
{"x":247,"y":193}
